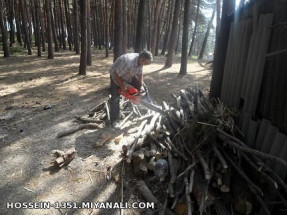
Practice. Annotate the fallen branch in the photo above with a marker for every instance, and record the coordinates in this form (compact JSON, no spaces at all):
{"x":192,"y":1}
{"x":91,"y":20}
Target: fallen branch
{"x":256,"y":152}
{"x":88,"y":120}
{"x":78,"y":128}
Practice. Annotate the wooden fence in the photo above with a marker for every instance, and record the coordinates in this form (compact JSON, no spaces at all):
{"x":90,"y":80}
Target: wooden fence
{"x":255,"y":76}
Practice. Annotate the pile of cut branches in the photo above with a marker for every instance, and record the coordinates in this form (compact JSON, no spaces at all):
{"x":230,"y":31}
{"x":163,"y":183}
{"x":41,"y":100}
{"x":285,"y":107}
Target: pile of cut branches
{"x":195,"y":158}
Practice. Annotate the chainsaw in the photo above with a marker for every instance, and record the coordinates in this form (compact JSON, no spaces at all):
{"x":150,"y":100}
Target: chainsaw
{"x":136,"y":97}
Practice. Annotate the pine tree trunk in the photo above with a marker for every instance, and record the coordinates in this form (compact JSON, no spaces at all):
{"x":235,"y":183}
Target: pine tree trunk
{"x":89,"y":54}
{"x":161,"y":13}
{"x":167,"y":32}
{"x":218,"y":13}
{"x":228,"y":7}
{"x":95,"y":29}
{"x":179,"y":29}
{"x":125,"y":29}
{"x":24,"y":23}
{"x":68,"y":21}
{"x":169,"y":59}
{"x":43,"y":40}
{"x":118,"y":31}
{"x":206,"y":35}
{"x":4,"y":32}
{"x":183,"y":65}
{"x":63,"y":33}
{"x":29,"y":22}
{"x":76,"y":27}
{"x":37,"y":27}
{"x":107,"y":27}
{"x":155,"y":26}
{"x":83,"y":59}
{"x":53,"y":27}
{"x":17,"y":21}
{"x":149,"y":15}
{"x":98,"y":26}
{"x":130,"y":29}
{"x":49,"y":30}
{"x":11,"y":22}
{"x":140,"y":26}
{"x":195,"y":28}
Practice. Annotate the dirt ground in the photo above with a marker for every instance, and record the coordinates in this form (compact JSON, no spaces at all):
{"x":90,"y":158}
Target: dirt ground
{"x":28,"y":132}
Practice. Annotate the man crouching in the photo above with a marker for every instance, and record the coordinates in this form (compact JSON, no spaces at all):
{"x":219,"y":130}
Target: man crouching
{"x":127,"y":69}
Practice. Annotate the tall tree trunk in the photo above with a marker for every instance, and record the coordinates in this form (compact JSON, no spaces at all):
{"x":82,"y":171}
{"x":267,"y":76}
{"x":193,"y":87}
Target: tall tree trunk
{"x":118,"y":31}
{"x":155,"y":26}
{"x":49,"y":30}
{"x":218,"y":13}
{"x":89,"y":39}
{"x":161,"y":13}
{"x":17,"y":21}
{"x":107,"y":27}
{"x":149,"y":33}
{"x":29,"y":22}
{"x":195,"y":28}
{"x":125,"y":28}
{"x":183,"y":65}
{"x":140,"y":26}
{"x":24,"y":23}
{"x":95,"y":29}
{"x":167,"y":32}
{"x":33,"y":12}
{"x":206,"y":35}
{"x":179,"y":29}
{"x":63,"y":32}
{"x":53,"y":27}
{"x":76,"y":27}
{"x":129,"y":20}
{"x":43,"y":40}
{"x":169,"y":59}
{"x":4,"y":32}
{"x":99,"y":41}
{"x":11,"y":22}
{"x":228,"y":7}
{"x":68,"y":21}
{"x":83,"y":59}
{"x":37,"y":27}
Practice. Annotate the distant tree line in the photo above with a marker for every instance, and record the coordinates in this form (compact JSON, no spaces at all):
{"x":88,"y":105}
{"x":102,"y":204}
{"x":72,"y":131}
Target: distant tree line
{"x":162,"y":26}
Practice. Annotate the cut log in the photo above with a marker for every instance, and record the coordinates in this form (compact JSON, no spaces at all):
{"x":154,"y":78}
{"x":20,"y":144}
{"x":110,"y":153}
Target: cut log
{"x":63,"y":158}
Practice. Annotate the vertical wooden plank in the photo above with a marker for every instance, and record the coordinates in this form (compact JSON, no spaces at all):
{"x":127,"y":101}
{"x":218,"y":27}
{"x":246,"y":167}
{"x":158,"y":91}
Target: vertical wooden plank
{"x":242,"y":62}
{"x":234,"y":53}
{"x":251,"y":70}
{"x":276,"y":148}
{"x":235,"y":64}
{"x":246,"y":117}
{"x":268,"y":140}
{"x":250,"y":60}
{"x":261,"y":134}
{"x":251,"y":133}
{"x":280,"y":169}
{"x":227,"y":71}
{"x":258,"y":74}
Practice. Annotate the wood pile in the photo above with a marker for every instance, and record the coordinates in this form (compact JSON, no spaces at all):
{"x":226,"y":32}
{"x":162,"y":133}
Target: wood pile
{"x":195,"y":158}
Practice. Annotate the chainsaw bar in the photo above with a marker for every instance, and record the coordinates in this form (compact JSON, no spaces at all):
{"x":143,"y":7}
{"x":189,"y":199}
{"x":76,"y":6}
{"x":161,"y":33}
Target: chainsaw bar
{"x":151,"y":107}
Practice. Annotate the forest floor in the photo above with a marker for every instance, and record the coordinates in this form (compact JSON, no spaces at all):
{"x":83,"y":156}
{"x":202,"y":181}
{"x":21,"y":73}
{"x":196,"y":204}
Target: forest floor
{"x":28,"y":132}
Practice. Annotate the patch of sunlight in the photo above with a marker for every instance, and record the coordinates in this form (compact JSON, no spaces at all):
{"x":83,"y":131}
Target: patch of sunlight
{"x":17,"y":167}
{"x":14,"y":88}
